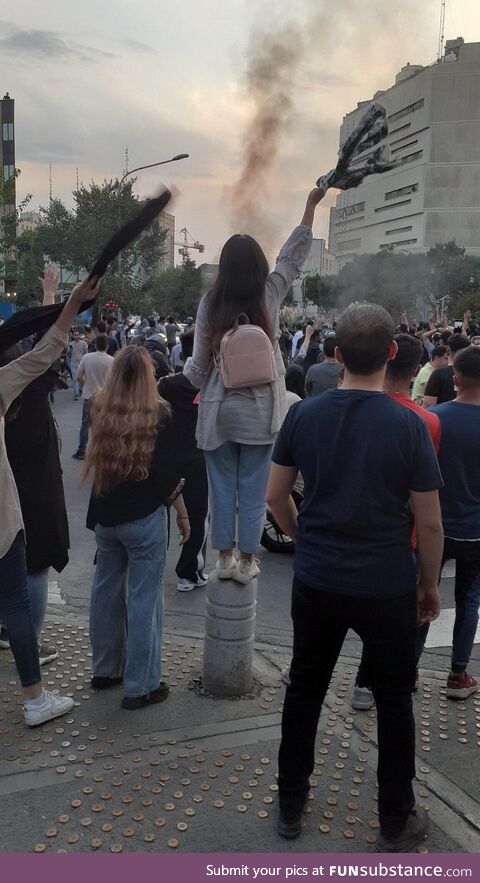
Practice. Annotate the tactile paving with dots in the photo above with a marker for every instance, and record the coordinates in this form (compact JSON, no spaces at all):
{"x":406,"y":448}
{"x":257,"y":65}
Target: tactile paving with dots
{"x":443,"y":726}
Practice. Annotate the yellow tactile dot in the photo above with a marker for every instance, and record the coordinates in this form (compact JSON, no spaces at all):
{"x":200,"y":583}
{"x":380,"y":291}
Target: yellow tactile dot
{"x":172,"y":843}
{"x":39,"y":847}
{"x":182,"y":826}
{"x":116,"y":847}
{"x":96,"y":843}
{"x":107,"y":827}
{"x":73,"y":838}
{"x":149,"y":838}
{"x":159,"y":822}
{"x":52,"y":832}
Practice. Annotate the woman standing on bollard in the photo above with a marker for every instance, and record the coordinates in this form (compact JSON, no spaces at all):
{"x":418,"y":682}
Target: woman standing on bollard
{"x":132,"y":454}
{"x":237,"y":427}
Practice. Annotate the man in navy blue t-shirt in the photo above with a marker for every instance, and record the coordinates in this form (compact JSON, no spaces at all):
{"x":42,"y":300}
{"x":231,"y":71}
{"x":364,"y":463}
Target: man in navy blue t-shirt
{"x":460,"y":501}
{"x":367,"y":465}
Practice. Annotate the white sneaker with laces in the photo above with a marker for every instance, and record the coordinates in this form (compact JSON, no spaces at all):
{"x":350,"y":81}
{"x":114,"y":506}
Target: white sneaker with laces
{"x":53,"y":706}
{"x":226,"y":566}
{"x":246,"y":571}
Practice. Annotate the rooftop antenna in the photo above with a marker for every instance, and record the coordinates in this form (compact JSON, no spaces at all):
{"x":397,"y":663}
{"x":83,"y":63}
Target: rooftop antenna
{"x":51,"y":184}
{"x":126,"y":161}
{"x":76,"y":170}
{"x":441,"y":37}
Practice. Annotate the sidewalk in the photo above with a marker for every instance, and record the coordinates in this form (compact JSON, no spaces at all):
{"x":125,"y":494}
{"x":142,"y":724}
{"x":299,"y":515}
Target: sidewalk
{"x":197,"y":774}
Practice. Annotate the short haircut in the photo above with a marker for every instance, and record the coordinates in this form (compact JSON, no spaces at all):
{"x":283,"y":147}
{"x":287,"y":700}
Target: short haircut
{"x":101,"y":327}
{"x":152,"y":322}
{"x":364,"y":335}
{"x":329,"y":346}
{"x":408,"y":357}
{"x":101,"y":343}
{"x":186,"y":341}
{"x":457,"y":342}
{"x":439,"y":351}
{"x":467,"y":365}
{"x":444,"y":336}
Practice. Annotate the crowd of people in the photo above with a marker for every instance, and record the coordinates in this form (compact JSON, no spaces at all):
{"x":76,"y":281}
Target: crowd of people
{"x":216,"y":419}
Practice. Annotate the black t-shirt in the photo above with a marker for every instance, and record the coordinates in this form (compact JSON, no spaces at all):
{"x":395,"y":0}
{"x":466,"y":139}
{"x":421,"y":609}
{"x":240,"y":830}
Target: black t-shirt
{"x":440,"y":384}
{"x":131,"y":500}
{"x":360,"y":454}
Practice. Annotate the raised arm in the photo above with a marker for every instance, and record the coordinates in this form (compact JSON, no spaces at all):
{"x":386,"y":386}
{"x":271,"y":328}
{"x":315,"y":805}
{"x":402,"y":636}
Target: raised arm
{"x":197,"y":365}
{"x":293,"y":254}
{"x":15,"y":376}
{"x":49,"y":283}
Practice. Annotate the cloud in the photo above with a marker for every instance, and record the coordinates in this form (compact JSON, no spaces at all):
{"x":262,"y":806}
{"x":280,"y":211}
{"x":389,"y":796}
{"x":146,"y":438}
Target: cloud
{"x":136,"y":46}
{"x":34,"y":44}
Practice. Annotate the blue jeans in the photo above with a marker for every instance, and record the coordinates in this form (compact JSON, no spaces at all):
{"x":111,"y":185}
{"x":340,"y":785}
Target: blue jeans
{"x":467,"y":599}
{"x":37,"y":585}
{"x":83,"y":440}
{"x":15,"y":612}
{"x":237,"y":477}
{"x":126,"y":606}
{"x":74,"y":369}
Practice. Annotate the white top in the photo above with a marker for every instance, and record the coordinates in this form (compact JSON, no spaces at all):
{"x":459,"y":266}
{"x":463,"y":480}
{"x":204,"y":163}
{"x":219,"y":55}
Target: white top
{"x":296,"y":338}
{"x":176,"y":357}
{"x":14,"y":377}
{"x":96,"y":367}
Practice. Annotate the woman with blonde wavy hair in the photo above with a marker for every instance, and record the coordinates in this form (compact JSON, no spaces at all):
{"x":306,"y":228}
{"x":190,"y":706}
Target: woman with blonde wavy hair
{"x":135,"y":476}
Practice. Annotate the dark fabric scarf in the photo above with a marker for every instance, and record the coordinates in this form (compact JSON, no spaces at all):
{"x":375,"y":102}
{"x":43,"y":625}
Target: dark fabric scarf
{"x":37,"y":320}
{"x":350,"y":170}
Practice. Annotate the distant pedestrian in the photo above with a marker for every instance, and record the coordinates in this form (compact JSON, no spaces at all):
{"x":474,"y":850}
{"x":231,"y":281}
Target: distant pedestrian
{"x":76,"y":350}
{"x":91,"y":375}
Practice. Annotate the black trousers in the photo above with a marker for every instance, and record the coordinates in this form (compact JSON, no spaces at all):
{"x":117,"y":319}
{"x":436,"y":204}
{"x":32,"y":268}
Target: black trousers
{"x":195,"y":495}
{"x":321,"y":620}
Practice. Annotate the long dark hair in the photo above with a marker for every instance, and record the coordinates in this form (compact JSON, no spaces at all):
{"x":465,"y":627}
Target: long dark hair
{"x":239,"y":288}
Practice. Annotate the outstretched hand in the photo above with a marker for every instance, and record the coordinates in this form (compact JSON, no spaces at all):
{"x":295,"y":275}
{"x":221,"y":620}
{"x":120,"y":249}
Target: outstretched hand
{"x":49,"y":282}
{"x":86,"y":291}
{"x":316,"y":195}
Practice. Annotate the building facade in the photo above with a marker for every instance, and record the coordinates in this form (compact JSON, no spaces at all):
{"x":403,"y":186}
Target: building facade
{"x":319,"y":262}
{"x":433,"y":196}
{"x":167,"y":222}
{"x":9,"y":201}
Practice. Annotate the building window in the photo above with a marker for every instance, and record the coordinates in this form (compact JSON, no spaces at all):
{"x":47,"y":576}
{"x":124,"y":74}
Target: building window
{"x":406,"y":110}
{"x":350,"y":210}
{"x":8,"y":172}
{"x":7,"y":131}
{"x":385,"y":208}
{"x":411,"y":157}
{"x":400,"y":128}
{"x":404,"y":146}
{"x":402,"y":191}
{"x":349,"y":244}
{"x":398,"y":230}
{"x":399,"y":242}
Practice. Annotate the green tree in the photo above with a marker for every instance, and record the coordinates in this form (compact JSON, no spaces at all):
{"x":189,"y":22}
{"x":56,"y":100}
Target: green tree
{"x":74,"y":238}
{"x":321,"y":291}
{"x":30,"y":264}
{"x":177,"y":291}
{"x":10,"y":215}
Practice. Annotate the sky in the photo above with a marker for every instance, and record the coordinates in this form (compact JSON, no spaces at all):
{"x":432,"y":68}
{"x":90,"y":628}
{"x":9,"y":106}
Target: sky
{"x":92,"y":78}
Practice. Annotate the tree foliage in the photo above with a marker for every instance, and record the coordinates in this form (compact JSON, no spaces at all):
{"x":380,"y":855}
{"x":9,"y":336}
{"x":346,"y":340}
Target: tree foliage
{"x":73,"y":239}
{"x":403,"y":282}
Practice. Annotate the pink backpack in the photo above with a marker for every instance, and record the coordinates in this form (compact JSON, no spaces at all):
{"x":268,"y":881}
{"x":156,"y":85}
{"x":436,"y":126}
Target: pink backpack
{"x":246,"y":357}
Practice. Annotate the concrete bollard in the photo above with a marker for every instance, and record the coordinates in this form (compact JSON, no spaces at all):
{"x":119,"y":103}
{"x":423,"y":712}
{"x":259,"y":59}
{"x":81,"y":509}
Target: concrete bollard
{"x":229,"y":637}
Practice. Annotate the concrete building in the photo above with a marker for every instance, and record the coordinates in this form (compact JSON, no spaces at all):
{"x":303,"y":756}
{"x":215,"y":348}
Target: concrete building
{"x":28,"y":221}
{"x":434,"y":195}
{"x":209,"y":274}
{"x":9,"y":199}
{"x":319,"y":262}
{"x":167,"y":222}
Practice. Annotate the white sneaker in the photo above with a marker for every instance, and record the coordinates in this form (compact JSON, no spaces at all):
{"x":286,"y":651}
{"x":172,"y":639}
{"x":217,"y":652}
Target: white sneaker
{"x":53,"y":706}
{"x":226,"y":566}
{"x":246,"y":571}
{"x":362,"y":698}
{"x":186,"y":585}
{"x":4,"y":642}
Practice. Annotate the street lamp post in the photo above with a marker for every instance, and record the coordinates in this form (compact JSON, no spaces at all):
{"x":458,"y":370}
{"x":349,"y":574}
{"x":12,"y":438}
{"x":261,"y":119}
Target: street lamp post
{"x":152,"y":165}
